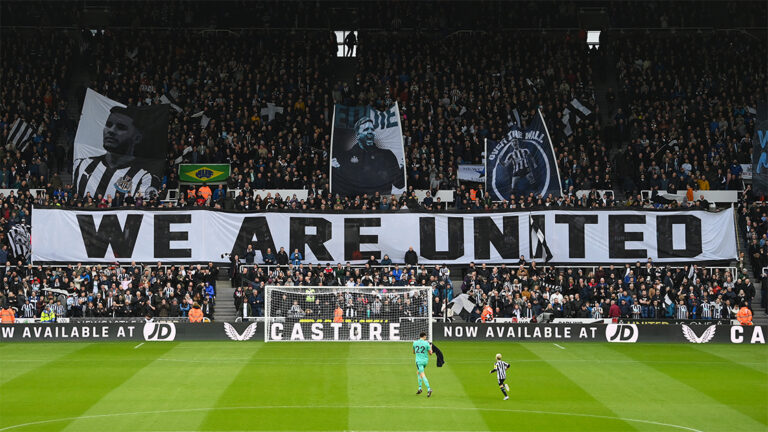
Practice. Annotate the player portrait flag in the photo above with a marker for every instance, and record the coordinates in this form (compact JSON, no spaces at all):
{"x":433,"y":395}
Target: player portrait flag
{"x":367,"y":151}
{"x":119,"y":149}
{"x":522,"y":162}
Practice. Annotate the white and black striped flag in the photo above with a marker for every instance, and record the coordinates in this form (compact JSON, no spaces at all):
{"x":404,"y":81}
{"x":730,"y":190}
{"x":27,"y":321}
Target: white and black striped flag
{"x":170,"y":101}
{"x":567,"y":129}
{"x":20,"y":241}
{"x":20,"y":135}
{"x":581,"y":111}
{"x":539,"y":233}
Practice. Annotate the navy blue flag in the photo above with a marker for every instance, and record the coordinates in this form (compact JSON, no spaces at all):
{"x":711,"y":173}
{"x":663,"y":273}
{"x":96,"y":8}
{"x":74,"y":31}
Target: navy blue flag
{"x":522,"y":162}
{"x":760,"y":152}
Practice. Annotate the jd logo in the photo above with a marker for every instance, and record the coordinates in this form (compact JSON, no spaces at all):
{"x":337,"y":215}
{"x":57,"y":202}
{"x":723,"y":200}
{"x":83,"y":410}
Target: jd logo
{"x":626,"y":333}
{"x":159,"y":331}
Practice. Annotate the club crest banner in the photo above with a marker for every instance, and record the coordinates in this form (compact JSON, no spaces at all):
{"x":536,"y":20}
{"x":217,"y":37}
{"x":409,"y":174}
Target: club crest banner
{"x":523,"y":162}
{"x":367,"y":154}
{"x":119,"y":149}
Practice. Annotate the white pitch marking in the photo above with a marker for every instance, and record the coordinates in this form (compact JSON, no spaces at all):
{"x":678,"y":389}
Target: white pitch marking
{"x":376,"y":407}
{"x":138,"y":345}
{"x":561,"y":347}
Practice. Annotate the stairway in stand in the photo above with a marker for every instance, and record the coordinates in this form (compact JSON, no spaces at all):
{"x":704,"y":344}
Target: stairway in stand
{"x":225,"y":305}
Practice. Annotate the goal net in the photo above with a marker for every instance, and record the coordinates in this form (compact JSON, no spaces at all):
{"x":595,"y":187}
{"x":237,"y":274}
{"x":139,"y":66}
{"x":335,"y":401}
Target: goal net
{"x":304,"y":313}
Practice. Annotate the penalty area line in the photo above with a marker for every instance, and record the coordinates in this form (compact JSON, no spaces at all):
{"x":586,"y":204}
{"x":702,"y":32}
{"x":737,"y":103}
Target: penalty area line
{"x":138,"y":345}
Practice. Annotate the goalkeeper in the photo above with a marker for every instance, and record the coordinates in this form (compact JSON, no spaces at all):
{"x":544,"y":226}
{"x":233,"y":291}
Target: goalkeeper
{"x":423,"y":350}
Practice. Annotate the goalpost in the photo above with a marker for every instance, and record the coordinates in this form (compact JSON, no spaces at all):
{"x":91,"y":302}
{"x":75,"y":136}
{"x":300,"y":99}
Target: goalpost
{"x":323,"y":313}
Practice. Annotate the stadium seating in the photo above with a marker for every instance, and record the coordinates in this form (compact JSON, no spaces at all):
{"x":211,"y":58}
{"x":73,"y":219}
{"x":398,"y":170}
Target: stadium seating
{"x":679,"y":119}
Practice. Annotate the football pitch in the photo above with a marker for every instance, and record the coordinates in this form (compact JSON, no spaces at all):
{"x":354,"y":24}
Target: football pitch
{"x":253,"y":386}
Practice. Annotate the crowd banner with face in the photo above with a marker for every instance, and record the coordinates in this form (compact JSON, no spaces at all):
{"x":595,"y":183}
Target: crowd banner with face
{"x":119,"y":150}
{"x":367,"y":154}
{"x":522,"y":162}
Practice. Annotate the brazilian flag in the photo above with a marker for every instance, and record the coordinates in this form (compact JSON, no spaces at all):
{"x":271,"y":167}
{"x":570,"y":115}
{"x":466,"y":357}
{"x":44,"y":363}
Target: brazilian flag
{"x":203,"y":173}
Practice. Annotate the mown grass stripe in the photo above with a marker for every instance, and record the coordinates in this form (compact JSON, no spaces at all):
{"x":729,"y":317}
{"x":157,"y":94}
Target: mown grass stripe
{"x":160,"y":381}
{"x":733,"y":386}
{"x":291,"y":380}
{"x":573,"y":397}
{"x":19,"y":358}
{"x":752,"y":356}
{"x":67,"y":389}
{"x":395,"y":382}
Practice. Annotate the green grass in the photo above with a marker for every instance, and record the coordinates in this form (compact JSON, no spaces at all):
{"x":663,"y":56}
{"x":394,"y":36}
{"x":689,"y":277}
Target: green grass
{"x":226,"y":386}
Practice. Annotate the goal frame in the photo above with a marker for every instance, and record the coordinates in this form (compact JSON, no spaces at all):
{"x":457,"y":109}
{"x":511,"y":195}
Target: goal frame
{"x":320,"y":289}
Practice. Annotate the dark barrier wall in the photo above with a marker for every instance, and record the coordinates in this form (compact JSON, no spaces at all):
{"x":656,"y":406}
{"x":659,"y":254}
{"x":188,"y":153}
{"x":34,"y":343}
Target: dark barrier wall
{"x":151,"y":331}
{"x":619,"y":333}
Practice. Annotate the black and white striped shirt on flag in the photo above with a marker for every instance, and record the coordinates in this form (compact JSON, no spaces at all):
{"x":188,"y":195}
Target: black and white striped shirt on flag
{"x":20,"y":135}
{"x":20,"y":241}
{"x":500,"y":367}
{"x":95,"y":176}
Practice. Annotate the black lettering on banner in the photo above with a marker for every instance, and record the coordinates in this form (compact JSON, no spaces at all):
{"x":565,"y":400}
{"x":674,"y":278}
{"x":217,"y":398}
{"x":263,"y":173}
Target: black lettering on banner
{"x":164,"y":236}
{"x":664,"y":244}
{"x":254,"y":227}
{"x":487,"y":233}
{"x":300,"y":238}
{"x":428,"y":242}
{"x":347,"y":116}
{"x":391,"y":118}
{"x":576,"y":232}
{"x":541,"y":222}
{"x":353,"y":238}
{"x":618,"y":236}
{"x":109,"y":233}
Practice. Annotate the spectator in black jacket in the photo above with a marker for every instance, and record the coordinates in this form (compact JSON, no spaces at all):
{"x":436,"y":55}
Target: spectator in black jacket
{"x":410,"y":257}
{"x":207,"y":309}
{"x":282,"y":257}
{"x":249,"y":255}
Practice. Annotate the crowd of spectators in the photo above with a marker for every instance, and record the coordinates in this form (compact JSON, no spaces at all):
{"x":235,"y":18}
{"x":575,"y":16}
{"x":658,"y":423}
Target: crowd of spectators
{"x":525,"y":290}
{"x":35,"y":74}
{"x":688,"y":122}
{"x":684,"y":115}
{"x":101,"y":291}
{"x":641,"y":291}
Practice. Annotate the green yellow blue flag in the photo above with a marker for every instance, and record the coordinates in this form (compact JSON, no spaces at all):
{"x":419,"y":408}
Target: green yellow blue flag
{"x":203,"y":173}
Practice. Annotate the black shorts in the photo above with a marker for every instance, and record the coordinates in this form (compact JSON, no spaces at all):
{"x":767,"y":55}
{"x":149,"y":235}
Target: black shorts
{"x":501,"y":381}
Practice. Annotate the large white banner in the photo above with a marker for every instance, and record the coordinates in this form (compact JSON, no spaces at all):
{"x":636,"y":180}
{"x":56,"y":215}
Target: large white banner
{"x":588,"y":236}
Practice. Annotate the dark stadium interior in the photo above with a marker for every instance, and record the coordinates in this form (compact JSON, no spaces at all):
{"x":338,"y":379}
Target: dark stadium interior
{"x":674,"y":94}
